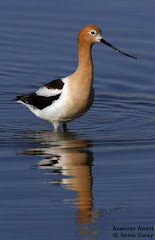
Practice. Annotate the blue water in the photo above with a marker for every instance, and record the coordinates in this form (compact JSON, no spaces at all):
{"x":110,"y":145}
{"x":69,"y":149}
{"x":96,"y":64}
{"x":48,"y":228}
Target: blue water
{"x":100,"y":174}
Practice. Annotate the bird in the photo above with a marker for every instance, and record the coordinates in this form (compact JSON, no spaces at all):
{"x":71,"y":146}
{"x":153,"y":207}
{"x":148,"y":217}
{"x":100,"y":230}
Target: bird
{"x":65,"y":99}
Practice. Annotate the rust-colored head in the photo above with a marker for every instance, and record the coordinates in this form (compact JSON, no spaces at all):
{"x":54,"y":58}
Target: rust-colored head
{"x":90,"y":34}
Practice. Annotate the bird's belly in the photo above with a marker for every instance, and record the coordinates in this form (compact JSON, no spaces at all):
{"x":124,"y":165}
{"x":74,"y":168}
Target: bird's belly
{"x":65,"y":109}
{"x":80,"y":105}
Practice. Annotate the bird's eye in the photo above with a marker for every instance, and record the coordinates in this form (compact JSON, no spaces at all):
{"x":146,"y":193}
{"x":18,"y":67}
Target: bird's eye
{"x":93,"y":32}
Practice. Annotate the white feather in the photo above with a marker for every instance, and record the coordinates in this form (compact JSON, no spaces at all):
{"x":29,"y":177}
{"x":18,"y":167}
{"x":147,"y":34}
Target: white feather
{"x":46,"y":92}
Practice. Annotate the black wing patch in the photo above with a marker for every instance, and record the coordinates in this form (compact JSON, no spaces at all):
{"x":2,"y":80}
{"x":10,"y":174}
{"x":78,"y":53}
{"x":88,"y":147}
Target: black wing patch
{"x":55,"y":84}
{"x":39,"y":102}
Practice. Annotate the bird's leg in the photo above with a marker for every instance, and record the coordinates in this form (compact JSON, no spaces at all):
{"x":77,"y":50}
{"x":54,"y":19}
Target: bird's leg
{"x":65,"y":126}
{"x":56,"y":126}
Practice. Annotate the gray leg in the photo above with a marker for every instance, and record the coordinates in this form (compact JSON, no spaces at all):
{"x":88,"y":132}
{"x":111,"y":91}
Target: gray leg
{"x":65,"y":126}
{"x":56,"y":126}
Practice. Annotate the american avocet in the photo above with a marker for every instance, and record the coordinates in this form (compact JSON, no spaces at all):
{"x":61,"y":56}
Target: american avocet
{"x":63,"y":100}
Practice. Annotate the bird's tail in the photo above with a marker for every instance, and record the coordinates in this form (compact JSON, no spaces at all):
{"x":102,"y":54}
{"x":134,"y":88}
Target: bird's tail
{"x":17,"y":98}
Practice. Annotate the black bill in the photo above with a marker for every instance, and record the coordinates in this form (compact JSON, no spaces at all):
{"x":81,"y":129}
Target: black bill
{"x":108,"y":44}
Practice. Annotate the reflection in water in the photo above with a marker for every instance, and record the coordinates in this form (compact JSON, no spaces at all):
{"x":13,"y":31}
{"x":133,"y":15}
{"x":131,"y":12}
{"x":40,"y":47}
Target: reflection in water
{"x":69,"y":156}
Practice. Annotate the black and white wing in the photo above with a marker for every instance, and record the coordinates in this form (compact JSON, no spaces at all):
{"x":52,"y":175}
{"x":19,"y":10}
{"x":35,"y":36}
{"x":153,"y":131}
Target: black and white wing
{"x":44,"y":96}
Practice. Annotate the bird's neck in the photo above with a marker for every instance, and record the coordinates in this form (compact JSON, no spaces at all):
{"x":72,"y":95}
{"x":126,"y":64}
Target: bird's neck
{"x":85,"y":64}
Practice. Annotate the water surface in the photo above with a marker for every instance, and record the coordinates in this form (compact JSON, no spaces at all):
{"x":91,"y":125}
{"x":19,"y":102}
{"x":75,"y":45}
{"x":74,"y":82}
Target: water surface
{"x":99,"y":174}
